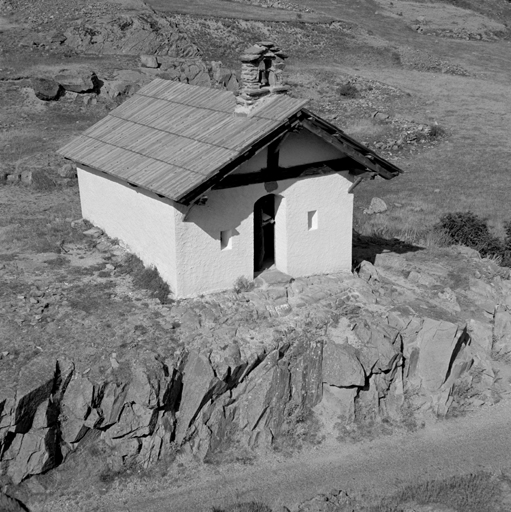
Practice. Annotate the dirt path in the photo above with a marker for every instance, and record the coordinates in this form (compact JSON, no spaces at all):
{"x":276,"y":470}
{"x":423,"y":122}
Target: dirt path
{"x":448,"y":448}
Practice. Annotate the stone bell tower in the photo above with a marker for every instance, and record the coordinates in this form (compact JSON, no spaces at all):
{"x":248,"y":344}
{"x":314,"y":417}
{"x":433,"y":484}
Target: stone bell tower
{"x":261,"y":75}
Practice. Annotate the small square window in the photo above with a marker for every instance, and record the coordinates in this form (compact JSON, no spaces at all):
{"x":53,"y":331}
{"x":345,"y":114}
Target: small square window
{"x":312,"y":220}
{"x":226,"y":240}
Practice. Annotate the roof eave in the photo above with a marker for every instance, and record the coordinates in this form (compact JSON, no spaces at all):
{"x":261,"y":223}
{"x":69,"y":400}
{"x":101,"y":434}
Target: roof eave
{"x":354,"y":149}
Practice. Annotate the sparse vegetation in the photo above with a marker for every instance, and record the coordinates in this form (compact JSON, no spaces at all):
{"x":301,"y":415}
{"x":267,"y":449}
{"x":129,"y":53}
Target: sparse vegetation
{"x":471,"y":230}
{"x":348,"y":91}
{"x":242,"y":284}
{"x":435,"y":131}
{"x":251,"y":506}
{"x":468,"y":493}
{"x":147,"y":278}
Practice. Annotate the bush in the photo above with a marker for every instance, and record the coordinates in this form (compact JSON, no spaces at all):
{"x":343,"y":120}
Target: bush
{"x":435,"y":132}
{"x":242,"y":284}
{"x":466,"y":228}
{"x":348,"y":91}
{"x":251,"y":506}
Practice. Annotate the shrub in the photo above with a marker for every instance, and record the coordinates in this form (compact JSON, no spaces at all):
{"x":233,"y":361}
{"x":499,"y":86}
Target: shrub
{"x":435,"y":132}
{"x":242,"y":284}
{"x":348,"y":91}
{"x":251,"y":506}
{"x":466,"y":228}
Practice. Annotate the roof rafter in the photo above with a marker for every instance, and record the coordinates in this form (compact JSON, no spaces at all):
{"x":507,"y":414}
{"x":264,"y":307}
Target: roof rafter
{"x":349,"y":146}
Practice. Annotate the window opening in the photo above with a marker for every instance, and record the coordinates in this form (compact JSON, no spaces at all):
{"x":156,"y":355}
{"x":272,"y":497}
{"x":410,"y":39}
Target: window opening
{"x":312,"y":220}
{"x":226,"y":240}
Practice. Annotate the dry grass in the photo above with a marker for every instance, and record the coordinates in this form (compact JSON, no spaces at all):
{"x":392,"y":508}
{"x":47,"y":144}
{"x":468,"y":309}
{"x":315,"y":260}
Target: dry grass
{"x":39,"y":222}
{"x":479,"y":492}
{"x":225,"y":9}
{"x":251,"y":506}
{"x":412,"y":223}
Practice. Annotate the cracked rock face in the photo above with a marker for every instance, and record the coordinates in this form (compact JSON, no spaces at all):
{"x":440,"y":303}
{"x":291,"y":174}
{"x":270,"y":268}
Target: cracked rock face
{"x":349,"y":351}
{"x":142,"y":34}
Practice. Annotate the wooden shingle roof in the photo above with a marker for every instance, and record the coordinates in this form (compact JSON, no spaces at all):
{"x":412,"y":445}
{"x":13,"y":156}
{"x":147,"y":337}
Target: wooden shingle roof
{"x":179,"y":140}
{"x":171,"y":137}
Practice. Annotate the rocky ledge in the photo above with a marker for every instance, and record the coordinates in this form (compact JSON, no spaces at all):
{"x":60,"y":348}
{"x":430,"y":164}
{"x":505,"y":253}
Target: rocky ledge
{"x":416,"y":336}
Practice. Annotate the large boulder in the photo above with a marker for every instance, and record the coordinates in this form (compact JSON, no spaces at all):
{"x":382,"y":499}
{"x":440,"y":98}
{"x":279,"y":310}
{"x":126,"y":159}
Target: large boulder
{"x":46,"y":89}
{"x":35,"y":386}
{"x":481,"y":333}
{"x":502,"y":332}
{"x":438,"y":343}
{"x":81,"y":82}
{"x":8,"y":504}
{"x":379,"y":347}
{"x":377,"y":206}
{"x":149,"y":61}
{"x":36,"y":451}
{"x":76,"y":407}
{"x":341,"y":367}
{"x":198,"y":381}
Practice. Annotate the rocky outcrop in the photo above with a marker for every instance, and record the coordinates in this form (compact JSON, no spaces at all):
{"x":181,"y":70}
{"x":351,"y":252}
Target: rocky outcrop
{"x":121,"y":84}
{"x":141,"y":34}
{"x":287,"y":361}
{"x":8,"y":504}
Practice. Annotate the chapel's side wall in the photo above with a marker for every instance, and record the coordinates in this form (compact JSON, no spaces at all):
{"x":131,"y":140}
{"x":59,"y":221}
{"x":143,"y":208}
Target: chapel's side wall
{"x":144,"y":223}
{"x":203,"y":267}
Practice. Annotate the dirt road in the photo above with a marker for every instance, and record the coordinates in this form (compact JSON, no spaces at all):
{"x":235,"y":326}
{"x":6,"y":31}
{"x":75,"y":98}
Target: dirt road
{"x":454,"y":447}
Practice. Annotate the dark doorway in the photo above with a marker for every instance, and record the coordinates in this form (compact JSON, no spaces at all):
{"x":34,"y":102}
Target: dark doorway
{"x":264,"y":233}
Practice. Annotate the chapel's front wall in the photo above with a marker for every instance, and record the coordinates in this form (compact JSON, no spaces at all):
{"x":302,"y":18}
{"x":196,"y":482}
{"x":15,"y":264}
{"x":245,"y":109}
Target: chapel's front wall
{"x":144,"y":223}
{"x":204,"y":267}
{"x":319,"y":219}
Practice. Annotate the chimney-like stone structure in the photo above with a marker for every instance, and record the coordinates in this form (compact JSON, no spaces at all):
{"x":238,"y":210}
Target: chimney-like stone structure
{"x":261,"y":75}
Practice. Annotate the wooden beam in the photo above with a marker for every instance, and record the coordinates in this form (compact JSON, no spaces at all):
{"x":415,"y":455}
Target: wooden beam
{"x":312,"y":169}
{"x":347,"y":149}
{"x":360,"y":178}
{"x":272,"y":160}
{"x":350,"y":146}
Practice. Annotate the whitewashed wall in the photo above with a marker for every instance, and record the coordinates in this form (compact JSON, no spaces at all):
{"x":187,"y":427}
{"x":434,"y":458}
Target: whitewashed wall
{"x":143,"y":222}
{"x":203,"y":267}
{"x":326,"y":249}
{"x":189,"y":255}
{"x":304,"y":147}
